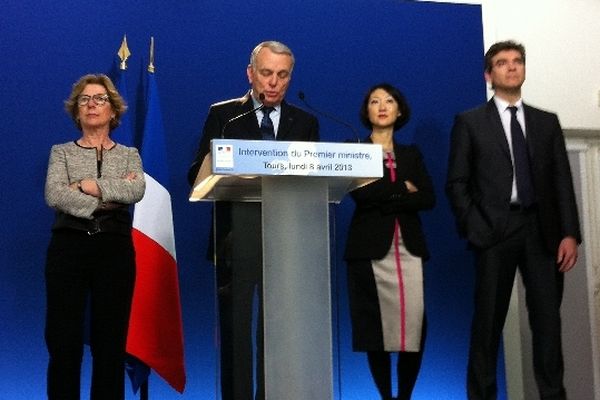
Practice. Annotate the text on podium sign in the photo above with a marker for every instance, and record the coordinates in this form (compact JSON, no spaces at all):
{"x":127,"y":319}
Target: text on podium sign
{"x":268,"y":157}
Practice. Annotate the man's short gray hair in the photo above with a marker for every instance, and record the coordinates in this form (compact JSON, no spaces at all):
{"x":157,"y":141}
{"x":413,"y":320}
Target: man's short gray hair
{"x":275,"y":47}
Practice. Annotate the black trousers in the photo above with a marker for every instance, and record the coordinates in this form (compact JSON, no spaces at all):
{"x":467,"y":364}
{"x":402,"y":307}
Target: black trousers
{"x":100,"y":268}
{"x":521,"y":248}
{"x":239,"y":280}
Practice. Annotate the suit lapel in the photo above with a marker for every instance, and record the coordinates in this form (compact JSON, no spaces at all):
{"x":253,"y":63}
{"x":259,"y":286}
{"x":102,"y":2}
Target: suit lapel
{"x":249,"y":123}
{"x":286,"y":121}
{"x":530,"y":130}
{"x":497,"y":129}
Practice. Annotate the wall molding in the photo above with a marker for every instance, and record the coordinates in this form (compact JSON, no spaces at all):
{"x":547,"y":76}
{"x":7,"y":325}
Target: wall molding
{"x":586,"y":142}
{"x":581,"y":303}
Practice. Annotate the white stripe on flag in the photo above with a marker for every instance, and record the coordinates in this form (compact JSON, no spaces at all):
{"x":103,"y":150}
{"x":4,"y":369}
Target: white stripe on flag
{"x":153,"y":215}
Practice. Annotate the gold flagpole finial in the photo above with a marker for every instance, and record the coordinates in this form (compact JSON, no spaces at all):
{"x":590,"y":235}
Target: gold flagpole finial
{"x":123,"y":53}
{"x":151,"y":63}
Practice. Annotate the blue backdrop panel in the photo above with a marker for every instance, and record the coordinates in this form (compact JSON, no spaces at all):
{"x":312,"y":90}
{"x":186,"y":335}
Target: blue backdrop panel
{"x":432,"y":51}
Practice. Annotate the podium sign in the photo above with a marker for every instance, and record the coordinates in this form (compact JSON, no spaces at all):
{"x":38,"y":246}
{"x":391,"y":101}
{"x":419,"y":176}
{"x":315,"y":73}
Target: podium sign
{"x":295,"y":181}
{"x":259,"y":157}
{"x":233,"y":169}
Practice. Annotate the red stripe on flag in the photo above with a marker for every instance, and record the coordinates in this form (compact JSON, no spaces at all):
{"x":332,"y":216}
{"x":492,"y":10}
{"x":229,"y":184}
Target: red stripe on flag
{"x":155,"y":331}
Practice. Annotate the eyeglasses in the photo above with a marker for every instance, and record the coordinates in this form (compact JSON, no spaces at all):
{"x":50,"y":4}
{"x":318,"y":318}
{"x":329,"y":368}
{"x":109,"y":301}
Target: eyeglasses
{"x":99,"y":99}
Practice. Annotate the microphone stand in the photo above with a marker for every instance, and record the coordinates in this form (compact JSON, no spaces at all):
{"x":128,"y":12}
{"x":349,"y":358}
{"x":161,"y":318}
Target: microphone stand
{"x":242,"y":115}
{"x":330,"y":116}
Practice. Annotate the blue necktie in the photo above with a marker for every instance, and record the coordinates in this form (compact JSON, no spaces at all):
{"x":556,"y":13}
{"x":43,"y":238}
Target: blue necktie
{"x":521,"y":160}
{"x":266,"y":125}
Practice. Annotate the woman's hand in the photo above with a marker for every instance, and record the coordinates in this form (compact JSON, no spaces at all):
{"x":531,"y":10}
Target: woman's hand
{"x":410,"y":187}
{"x":88,"y":186}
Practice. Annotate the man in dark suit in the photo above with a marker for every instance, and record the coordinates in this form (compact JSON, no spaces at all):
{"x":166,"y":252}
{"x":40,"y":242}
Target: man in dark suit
{"x":513,"y":200}
{"x":236,"y":244}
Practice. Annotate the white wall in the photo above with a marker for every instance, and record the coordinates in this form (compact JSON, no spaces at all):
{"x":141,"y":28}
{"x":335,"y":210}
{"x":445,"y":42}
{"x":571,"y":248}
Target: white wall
{"x":562,"y":39}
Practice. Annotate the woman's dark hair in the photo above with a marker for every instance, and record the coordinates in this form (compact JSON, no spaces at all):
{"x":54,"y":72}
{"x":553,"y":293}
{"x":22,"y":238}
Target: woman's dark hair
{"x":403,"y":107}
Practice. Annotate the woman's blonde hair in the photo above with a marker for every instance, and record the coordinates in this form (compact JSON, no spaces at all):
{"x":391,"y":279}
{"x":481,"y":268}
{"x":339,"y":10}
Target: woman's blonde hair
{"x":116,"y":101}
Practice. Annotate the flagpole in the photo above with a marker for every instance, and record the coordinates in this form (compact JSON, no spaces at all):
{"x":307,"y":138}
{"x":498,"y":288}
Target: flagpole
{"x":144,"y":389}
{"x":124,"y":54}
{"x":151,"y":61}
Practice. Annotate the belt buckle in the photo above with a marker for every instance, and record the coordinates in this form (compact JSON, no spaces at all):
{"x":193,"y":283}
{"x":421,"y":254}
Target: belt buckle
{"x":96,"y":228}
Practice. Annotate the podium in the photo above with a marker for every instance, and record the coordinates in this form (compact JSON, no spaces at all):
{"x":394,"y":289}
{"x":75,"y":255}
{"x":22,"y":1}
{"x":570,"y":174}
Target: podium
{"x":295,"y":181}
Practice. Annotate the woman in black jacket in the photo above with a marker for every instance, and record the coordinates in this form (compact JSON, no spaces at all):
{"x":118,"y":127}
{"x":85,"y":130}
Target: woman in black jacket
{"x":386,"y":248}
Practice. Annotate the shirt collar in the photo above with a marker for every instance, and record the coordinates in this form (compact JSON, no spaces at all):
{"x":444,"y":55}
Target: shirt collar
{"x":502,"y":104}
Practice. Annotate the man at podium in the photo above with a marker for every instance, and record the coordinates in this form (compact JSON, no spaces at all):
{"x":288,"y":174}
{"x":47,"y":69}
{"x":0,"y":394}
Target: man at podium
{"x":235,"y":245}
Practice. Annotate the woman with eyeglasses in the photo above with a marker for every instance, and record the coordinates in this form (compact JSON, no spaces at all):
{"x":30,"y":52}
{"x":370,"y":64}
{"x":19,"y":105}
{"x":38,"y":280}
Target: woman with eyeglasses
{"x":90,"y":183}
{"x":386,"y":249}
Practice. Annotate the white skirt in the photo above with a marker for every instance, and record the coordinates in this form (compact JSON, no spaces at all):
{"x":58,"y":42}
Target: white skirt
{"x":399,"y":281}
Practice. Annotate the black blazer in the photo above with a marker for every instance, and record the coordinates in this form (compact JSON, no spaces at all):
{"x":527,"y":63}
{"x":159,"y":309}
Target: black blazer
{"x":294,"y":125}
{"x":480,"y":174}
{"x":379,"y":203}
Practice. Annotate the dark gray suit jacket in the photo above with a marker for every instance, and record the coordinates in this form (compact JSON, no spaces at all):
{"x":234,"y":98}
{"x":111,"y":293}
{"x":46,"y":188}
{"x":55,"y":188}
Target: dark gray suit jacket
{"x":480,"y":176}
{"x":294,"y":125}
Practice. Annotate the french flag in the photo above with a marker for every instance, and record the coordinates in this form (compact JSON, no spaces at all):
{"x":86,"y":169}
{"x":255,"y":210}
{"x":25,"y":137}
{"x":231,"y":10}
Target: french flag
{"x":155,"y":335}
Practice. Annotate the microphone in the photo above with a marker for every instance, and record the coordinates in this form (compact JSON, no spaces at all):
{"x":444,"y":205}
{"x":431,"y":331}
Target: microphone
{"x":331,"y":117}
{"x":261,"y":97}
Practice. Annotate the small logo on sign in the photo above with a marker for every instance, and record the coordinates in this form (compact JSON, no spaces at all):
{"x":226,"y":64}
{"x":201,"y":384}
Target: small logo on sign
{"x":224,"y":156}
